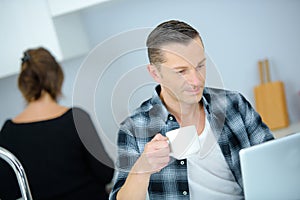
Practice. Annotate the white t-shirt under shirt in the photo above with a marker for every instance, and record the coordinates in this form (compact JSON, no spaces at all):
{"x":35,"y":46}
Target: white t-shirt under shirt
{"x":208,"y":173}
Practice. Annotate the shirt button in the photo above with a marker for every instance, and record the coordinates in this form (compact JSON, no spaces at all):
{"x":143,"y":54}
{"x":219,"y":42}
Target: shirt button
{"x":182,"y":162}
{"x":171,"y":118}
{"x":184,"y":193}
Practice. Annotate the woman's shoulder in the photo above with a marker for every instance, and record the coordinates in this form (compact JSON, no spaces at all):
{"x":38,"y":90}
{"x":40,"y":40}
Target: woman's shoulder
{"x":6,"y":124}
{"x":77,"y":111}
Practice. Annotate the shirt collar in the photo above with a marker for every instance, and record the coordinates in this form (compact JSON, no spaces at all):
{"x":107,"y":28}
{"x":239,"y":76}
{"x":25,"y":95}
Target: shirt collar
{"x":206,"y":100}
{"x":157,"y":103}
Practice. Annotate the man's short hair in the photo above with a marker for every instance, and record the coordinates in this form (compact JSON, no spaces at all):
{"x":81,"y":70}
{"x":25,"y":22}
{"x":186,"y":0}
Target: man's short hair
{"x":172,"y":31}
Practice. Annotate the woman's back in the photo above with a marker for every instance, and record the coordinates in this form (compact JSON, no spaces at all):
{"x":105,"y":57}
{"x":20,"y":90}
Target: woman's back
{"x":56,"y":162}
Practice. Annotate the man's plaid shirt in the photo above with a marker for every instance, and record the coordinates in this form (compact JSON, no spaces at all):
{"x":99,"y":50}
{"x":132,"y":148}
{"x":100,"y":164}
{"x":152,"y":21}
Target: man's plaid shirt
{"x":235,"y":124}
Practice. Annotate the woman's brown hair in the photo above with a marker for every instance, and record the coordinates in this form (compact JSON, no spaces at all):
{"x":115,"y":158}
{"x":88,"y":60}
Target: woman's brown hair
{"x":40,"y":72}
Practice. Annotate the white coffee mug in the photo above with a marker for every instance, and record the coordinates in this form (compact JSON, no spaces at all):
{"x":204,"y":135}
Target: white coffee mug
{"x":183,"y":142}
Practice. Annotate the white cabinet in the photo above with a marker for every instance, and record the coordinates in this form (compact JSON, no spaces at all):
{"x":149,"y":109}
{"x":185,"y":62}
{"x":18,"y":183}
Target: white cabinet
{"x":70,"y":30}
{"x":71,"y":34}
{"x":24,"y":24}
{"x":54,"y":24}
{"x":62,"y":7}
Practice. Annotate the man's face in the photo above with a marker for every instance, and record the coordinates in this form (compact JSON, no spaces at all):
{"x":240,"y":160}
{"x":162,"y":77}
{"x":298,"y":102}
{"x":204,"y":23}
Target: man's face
{"x":182,"y":76}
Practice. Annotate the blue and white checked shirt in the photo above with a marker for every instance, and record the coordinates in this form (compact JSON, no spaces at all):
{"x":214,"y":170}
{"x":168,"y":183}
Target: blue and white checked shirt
{"x":234,"y":122}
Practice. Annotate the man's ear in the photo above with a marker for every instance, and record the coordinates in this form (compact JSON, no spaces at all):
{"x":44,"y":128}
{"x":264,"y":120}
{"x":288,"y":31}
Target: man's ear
{"x":153,"y":71}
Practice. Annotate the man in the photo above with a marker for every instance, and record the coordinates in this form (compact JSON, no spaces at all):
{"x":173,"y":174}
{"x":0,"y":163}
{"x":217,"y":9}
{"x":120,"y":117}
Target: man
{"x":225,"y":123}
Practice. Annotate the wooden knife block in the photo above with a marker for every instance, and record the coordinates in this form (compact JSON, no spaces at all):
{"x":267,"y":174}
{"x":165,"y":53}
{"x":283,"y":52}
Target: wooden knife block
{"x":271,"y":104}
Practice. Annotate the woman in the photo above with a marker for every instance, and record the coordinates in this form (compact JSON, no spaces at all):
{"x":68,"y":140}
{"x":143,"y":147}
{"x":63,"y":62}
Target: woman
{"x":47,"y":139}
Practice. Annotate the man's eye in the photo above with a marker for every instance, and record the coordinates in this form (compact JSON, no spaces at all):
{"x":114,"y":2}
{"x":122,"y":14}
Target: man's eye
{"x":199,"y":67}
{"x":181,"y":71}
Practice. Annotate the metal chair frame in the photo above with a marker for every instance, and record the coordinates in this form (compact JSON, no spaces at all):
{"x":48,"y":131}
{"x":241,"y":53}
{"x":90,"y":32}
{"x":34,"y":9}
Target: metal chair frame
{"x":19,"y":171}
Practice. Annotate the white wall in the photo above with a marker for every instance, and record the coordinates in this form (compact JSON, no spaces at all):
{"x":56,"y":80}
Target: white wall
{"x":236,"y":35}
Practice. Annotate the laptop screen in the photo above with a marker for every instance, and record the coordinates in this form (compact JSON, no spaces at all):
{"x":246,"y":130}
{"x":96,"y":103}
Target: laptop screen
{"x":271,"y":170}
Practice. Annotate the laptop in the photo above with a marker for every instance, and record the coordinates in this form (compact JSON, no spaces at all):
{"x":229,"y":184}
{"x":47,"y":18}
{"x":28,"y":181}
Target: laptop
{"x":271,"y":170}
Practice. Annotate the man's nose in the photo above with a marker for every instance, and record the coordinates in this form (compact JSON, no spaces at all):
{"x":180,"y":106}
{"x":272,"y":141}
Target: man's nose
{"x":194,"y":77}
